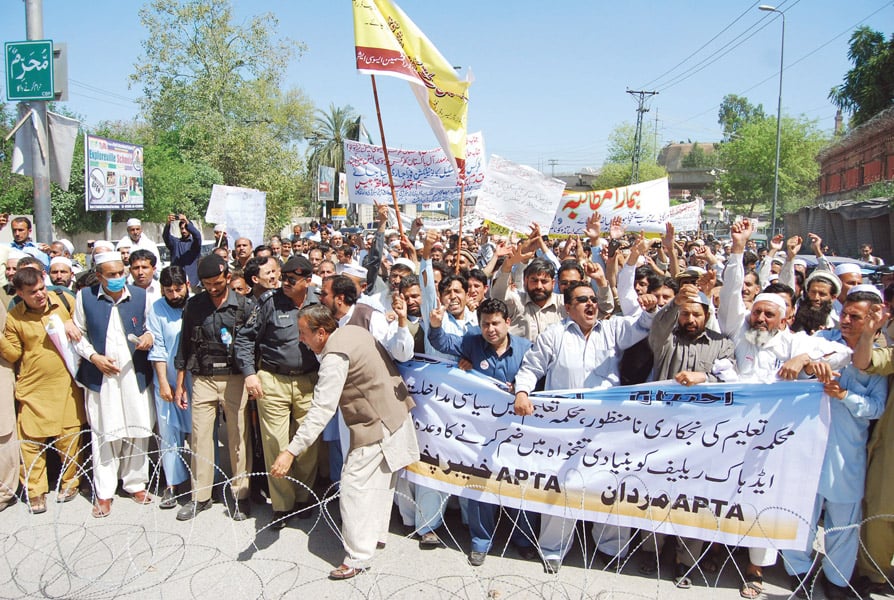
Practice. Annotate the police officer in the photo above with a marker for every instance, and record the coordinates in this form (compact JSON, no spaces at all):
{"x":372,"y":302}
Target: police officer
{"x":210,"y":321}
{"x":280,"y":373}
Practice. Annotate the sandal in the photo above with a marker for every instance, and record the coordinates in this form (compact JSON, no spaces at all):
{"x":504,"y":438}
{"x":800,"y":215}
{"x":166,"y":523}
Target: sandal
{"x":345,"y":572}
{"x":681,"y":576}
{"x":38,"y":504}
{"x":752,"y":587}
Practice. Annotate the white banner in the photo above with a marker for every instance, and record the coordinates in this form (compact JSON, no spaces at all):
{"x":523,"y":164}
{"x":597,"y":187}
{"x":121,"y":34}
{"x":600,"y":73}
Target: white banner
{"x":515,"y":196}
{"x":242,"y":210}
{"x":685,"y":217}
{"x":737,"y":464}
{"x":642,"y":207}
{"x":419,"y":175}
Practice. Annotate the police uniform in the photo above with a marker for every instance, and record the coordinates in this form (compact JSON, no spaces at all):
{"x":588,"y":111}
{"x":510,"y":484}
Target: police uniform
{"x":206,"y":350}
{"x":268,"y":346}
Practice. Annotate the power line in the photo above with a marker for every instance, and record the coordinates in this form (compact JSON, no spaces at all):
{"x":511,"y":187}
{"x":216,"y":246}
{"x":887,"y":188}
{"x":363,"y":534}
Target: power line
{"x":792,"y":64}
{"x":701,"y":66}
{"x":702,"y":47}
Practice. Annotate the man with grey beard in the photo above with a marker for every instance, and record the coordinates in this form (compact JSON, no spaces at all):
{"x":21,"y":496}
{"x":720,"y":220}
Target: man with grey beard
{"x":767,"y":350}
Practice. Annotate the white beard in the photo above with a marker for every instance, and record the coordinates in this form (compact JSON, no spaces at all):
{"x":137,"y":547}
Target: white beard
{"x":759,"y":337}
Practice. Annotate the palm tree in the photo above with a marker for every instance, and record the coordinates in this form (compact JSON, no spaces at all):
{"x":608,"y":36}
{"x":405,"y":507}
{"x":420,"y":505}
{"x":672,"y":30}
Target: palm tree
{"x":330,"y":130}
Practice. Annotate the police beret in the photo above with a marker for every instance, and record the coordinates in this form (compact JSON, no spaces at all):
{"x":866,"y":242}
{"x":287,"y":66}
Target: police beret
{"x":211,"y":266}
{"x":298,"y":264}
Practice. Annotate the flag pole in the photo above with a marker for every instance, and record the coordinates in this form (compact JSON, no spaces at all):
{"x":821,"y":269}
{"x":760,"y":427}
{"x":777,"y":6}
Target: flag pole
{"x":400,"y":225}
{"x":462,"y":202}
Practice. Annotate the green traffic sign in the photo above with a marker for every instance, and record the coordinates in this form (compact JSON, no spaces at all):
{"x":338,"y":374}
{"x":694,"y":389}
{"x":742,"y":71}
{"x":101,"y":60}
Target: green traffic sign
{"x":29,"y":70}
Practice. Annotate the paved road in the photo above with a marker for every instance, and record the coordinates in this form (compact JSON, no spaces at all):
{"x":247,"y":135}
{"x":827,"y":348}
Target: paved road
{"x":143,"y":552}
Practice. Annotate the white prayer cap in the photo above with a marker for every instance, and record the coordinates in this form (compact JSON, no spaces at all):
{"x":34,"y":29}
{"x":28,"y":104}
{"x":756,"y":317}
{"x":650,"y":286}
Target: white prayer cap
{"x":220,"y":228}
{"x":405,"y":262}
{"x":15,"y":253}
{"x":826,"y":276}
{"x":68,"y":245}
{"x":125,"y":242}
{"x":800,"y":262}
{"x":107,"y":257}
{"x":771,"y":297}
{"x":354,"y":271}
{"x":102,"y":244}
{"x":845,"y":268}
{"x":57,"y":260}
{"x":868,"y":288}
{"x":778,"y":258}
{"x":133,"y":222}
{"x":337,"y":234}
{"x":773,"y":277}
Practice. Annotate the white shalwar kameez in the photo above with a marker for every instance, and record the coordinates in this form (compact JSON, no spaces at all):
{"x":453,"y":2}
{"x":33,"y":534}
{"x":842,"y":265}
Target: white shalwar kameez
{"x":120,"y":415}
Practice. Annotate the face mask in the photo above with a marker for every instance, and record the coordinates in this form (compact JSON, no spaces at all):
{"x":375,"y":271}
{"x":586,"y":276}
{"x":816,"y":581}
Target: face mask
{"x":116,"y":284}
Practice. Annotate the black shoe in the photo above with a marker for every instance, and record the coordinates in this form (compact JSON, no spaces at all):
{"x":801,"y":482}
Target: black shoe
{"x":648,"y":564}
{"x":476,"y":559}
{"x":168,"y":499}
{"x":866,"y":587}
{"x":799,"y":585}
{"x":280,"y":518}
{"x":836,"y":592}
{"x":529,"y":553}
{"x":241,"y":510}
{"x":610,"y":562}
{"x":551,"y":566}
{"x":304,"y":510}
{"x":191,"y":509}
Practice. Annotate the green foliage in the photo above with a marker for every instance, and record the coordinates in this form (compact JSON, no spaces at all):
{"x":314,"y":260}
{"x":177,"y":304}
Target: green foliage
{"x":879,"y":189}
{"x":621,"y":144}
{"x":698,"y":158}
{"x":614,"y":175}
{"x":213,"y":96}
{"x":868,"y":87}
{"x":735,"y":111}
{"x":327,"y":141}
{"x":15,"y":190}
{"x":748,"y":162}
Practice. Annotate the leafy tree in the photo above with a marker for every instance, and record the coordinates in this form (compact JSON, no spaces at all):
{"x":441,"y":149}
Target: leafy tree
{"x":15,"y":191}
{"x":621,"y":144}
{"x":614,"y":175}
{"x":698,"y":158}
{"x":735,"y":111}
{"x":748,"y":162}
{"x":213,"y":89}
{"x":868,"y":87}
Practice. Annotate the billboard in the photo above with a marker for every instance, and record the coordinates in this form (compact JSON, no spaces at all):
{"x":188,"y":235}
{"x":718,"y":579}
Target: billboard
{"x":113,"y":174}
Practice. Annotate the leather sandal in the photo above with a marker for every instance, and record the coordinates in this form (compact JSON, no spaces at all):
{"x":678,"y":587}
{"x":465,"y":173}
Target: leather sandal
{"x":67,"y":495}
{"x":38,"y":504}
{"x":102,"y":508}
{"x":345,"y":572}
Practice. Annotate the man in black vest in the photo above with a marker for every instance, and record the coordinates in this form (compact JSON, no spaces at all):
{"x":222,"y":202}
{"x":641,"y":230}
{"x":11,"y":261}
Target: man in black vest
{"x":116,"y":374}
{"x":280,"y":373}
{"x":210,"y":321}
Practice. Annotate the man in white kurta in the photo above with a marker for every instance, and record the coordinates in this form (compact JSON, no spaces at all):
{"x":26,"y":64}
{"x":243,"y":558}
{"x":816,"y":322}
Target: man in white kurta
{"x":111,"y":317}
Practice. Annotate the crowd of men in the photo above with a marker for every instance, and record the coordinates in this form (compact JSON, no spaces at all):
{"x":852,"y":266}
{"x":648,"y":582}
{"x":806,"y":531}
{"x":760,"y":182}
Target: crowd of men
{"x":302,"y":335}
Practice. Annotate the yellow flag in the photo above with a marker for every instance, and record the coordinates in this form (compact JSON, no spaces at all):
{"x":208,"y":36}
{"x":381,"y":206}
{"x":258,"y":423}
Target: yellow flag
{"x":389,"y":43}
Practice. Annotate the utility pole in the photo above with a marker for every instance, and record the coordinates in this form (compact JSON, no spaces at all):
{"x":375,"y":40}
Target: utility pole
{"x":43,"y":210}
{"x":638,"y":136}
{"x":552,"y":165}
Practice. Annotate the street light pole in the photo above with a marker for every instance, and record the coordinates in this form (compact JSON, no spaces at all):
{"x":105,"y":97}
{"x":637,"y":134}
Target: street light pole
{"x":767,"y":8}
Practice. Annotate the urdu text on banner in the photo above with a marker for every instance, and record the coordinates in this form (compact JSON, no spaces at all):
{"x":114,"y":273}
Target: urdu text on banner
{"x":642,"y":207}
{"x":419,"y":175}
{"x":515,"y":196}
{"x":737,"y":464}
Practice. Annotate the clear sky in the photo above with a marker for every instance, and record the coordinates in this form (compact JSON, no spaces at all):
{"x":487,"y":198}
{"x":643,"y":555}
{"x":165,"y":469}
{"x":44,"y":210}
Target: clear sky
{"x":550,"y":77}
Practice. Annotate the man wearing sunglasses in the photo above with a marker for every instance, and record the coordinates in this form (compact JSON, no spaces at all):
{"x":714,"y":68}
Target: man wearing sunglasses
{"x":283,"y":383}
{"x":580,"y":352}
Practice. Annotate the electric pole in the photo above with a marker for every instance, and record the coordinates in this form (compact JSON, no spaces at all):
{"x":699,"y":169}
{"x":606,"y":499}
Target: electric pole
{"x":552,"y":165}
{"x":638,"y":136}
{"x":43,"y":210}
